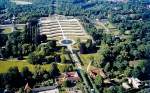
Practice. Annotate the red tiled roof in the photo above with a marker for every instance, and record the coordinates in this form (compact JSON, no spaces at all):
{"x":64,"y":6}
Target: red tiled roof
{"x":95,"y":72}
{"x":70,"y":76}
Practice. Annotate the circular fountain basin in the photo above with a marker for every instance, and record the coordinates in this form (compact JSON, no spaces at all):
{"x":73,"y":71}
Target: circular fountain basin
{"x":66,"y":42}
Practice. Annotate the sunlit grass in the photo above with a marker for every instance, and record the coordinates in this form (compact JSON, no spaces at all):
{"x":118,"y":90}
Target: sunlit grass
{"x":86,"y":58}
{"x":112,"y":29}
{"x":62,"y":67}
{"x":7,"y":30}
{"x":5,"y":65}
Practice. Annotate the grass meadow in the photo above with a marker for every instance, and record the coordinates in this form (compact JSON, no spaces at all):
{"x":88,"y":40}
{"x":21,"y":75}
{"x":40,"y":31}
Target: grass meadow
{"x":6,"y":64}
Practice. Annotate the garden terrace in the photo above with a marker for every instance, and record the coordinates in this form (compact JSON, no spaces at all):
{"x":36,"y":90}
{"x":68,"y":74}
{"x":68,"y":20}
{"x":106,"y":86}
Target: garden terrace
{"x":54,"y":26}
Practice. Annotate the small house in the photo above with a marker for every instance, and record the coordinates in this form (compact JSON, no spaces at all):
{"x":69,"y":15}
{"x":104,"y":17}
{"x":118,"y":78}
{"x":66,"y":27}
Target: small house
{"x":70,"y":76}
{"x":95,"y":72}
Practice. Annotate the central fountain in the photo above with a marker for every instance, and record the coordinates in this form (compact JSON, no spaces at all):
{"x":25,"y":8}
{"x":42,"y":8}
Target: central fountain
{"x":66,"y":42}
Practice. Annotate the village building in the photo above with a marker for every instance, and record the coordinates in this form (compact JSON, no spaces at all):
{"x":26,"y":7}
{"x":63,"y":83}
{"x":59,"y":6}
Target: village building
{"x":70,"y":76}
{"x":95,"y":72}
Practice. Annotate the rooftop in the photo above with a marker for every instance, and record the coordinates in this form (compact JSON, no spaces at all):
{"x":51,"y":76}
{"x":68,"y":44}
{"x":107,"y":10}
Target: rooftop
{"x":47,"y":89}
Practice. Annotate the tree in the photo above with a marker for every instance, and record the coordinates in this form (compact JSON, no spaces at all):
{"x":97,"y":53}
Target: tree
{"x":96,"y":34}
{"x":104,"y":50}
{"x":43,"y":38}
{"x":26,"y":49}
{"x":107,"y":67}
{"x":121,"y":65}
{"x":35,"y":58}
{"x":1,"y":80}
{"x":37,"y":39}
{"x":63,"y":58}
{"x":46,"y":76}
{"x":107,"y":90}
{"x":21,"y":90}
{"x":8,"y":47}
{"x":52,"y":43}
{"x":38,"y":74}
{"x":14,"y":50}
{"x":27,"y":74}
{"x":20,"y":54}
{"x":69,"y":68}
{"x":136,"y":54}
{"x":83,"y":48}
{"x":137,"y":72}
{"x":118,"y":89}
{"x":3,"y":39}
{"x":57,"y":58}
{"x":54,"y":72}
{"x":15,"y":80}
{"x":62,"y":50}
{"x":68,"y":83}
{"x":44,"y":51}
{"x":3,"y":53}
{"x":78,"y":42}
{"x":98,"y":80}
{"x":89,"y":46}
{"x":128,"y":72}
{"x":147,"y":51}
{"x":113,"y":89}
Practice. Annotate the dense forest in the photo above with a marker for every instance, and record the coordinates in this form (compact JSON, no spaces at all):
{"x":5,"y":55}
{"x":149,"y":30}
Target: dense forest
{"x":115,"y":54}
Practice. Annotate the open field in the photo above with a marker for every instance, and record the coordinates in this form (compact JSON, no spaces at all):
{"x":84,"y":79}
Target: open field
{"x":108,"y":27}
{"x":6,"y":31}
{"x":86,"y":58}
{"x":5,"y":65}
{"x":114,"y":30}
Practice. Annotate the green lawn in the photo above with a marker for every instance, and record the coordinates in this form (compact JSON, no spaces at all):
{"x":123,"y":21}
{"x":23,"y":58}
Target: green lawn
{"x":7,"y":30}
{"x":110,"y":26}
{"x":5,"y":65}
{"x":99,"y":26}
{"x":86,"y":59}
{"x":62,"y":67}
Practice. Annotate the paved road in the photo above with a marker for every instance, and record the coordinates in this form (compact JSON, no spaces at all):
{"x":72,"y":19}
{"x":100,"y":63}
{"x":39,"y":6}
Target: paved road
{"x":89,"y":66}
{"x":74,"y":57}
